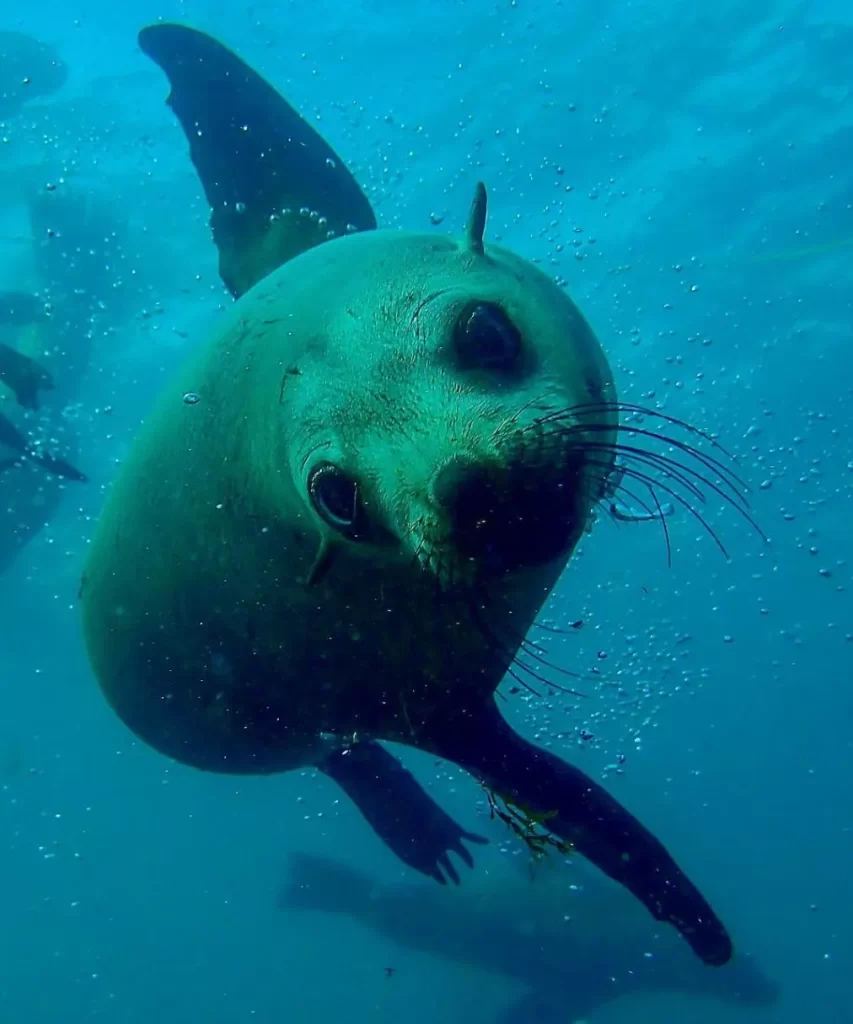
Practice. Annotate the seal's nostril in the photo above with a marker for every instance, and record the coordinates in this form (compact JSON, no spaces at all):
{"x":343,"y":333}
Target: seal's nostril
{"x":467,"y":492}
{"x":506,"y":520}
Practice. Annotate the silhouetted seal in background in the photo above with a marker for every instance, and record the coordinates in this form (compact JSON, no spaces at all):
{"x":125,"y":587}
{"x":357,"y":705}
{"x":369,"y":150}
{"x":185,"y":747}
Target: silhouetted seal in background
{"x":29,"y":68}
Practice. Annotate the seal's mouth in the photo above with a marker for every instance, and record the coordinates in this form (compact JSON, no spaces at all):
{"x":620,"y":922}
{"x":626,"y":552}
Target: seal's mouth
{"x":505,"y":519}
{"x":530,"y":503}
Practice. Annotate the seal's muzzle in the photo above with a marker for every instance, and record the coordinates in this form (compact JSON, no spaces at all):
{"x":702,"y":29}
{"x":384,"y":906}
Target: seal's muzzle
{"x":506,"y":519}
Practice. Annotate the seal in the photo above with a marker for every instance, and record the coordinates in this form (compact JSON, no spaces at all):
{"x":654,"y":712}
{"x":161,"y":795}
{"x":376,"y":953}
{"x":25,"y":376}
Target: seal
{"x":58,"y":321}
{"x":29,"y":68}
{"x":588,"y":926}
{"x":25,"y":378}
{"x":342,"y":517}
{"x":23,"y":375}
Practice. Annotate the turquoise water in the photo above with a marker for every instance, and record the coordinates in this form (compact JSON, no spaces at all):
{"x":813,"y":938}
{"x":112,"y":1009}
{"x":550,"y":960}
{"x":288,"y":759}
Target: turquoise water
{"x":688,"y":176}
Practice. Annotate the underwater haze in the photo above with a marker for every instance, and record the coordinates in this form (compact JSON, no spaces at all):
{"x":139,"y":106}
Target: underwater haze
{"x":685,"y":172}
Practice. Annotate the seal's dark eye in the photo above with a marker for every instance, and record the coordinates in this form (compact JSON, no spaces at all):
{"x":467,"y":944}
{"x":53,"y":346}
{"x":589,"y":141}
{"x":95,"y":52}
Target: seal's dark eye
{"x":485,"y":338}
{"x":336,"y":500}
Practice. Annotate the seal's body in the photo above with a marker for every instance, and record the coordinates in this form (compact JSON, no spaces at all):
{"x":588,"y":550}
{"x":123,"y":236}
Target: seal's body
{"x":209,"y":538}
{"x":340,"y":521}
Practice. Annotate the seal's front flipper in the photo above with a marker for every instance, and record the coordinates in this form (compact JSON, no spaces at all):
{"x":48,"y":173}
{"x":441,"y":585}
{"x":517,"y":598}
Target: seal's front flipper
{"x":584,"y":814}
{"x":275,"y":187}
{"x":399,"y":811}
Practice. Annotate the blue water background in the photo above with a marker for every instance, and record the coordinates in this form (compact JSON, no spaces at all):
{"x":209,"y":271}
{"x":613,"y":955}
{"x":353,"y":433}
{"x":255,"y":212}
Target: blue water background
{"x":688,"y":170}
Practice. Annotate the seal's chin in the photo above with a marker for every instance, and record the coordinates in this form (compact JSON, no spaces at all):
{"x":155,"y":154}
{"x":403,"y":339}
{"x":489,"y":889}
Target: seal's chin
{"x":508,"y":519}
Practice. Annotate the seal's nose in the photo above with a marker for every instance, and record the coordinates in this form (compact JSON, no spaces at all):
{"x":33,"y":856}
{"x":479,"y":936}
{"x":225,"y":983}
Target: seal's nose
{"x":507,"y":519}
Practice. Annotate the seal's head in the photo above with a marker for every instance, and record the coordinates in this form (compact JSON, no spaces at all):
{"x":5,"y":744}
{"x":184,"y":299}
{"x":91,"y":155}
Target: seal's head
{"x":462,"y":417}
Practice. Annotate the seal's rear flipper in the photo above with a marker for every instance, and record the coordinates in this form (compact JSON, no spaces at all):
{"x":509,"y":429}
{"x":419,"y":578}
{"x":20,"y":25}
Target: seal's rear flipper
{"x":583,"y":813}
{"x":399,"y":811}
{"x":275,"y":187}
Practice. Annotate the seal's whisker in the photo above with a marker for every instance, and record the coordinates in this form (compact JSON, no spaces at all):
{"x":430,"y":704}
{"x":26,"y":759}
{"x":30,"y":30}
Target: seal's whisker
{"x":671,"y":468}
{"x":536,"y":652}
{"x":574,"y":419}
{"x":620,"y":490}
{"x":653,"y":460}
{"x":505,"y":655}
{"x":662,"y":519}
{"x":652,"y":483}
{"x":519,"y":413}
{"x":727,"y":490}
{"x":628,"y":408}
{"x":657,"y":514}
{"x":547,"y":628}
{"x":521,"y":682}
{"x":595,"y":409}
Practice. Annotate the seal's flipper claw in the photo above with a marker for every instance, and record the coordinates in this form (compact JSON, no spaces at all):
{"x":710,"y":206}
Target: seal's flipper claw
{"x":398,"y":809}
{"x":582,"y":813}
{"x":274,"y":185}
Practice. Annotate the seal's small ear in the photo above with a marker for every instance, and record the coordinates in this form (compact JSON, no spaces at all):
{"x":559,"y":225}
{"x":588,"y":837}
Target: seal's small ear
{"x":476,"y":226}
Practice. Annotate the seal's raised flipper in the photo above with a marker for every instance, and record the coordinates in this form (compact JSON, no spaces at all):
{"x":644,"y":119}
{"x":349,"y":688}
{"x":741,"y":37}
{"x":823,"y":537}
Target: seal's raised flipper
{"x":275,"y":187}
{"x":14,"y":450}
{"x":585,"y":815}
{"x":399,"y":811}
{"x":24,"y":376}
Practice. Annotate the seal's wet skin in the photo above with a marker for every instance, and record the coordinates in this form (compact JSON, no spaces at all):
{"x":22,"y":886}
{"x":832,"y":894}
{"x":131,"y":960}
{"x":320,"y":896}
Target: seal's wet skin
{"x":399,"y":810}
{"x":395,"y":442}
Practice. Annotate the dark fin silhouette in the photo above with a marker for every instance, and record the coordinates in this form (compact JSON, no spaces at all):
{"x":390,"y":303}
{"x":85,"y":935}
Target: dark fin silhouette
{"x":585,"y":815}
{"x":547,"y":1008}
{"x":13,"y":441}
{"x":20,"y":308}
{"x":317,"y":883}
{"x":275,"y":187}
{"x":24,"y":376}
{"x":57,"y":467}
{"x":10,"y":437}
{"x":399,"y":810}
